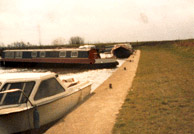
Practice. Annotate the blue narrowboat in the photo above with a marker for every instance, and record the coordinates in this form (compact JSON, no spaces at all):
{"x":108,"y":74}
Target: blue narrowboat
{"x":55,"y":57}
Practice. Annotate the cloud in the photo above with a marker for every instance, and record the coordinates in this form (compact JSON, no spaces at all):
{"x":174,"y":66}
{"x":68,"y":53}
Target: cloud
{"x":96,"y":20}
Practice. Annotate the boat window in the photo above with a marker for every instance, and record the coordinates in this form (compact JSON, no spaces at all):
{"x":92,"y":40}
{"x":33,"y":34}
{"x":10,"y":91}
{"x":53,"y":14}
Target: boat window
{"x":18,"y":54}
{"x":62,"y":54}
{"x":42,"y":54}
{"x":52,"y":54}
{"x":9,"y":54}
{"x":27,"y":91}
{"x":74,"y":54}
{"x":1,"y":95}
{"x":34,"y":54}
{"x":48,"y":88}
{"x":16,"y":97}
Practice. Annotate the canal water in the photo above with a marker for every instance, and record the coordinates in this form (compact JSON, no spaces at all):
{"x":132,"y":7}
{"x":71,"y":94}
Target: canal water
{"x":96,"y":76}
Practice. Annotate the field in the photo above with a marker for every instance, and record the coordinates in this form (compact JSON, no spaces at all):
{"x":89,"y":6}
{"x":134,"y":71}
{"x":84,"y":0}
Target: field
{"x":161,"y":100}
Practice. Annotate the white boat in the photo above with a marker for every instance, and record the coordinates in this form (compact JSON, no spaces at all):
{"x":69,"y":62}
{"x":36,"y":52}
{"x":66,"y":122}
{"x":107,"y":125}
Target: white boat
{"x":31,"y":100}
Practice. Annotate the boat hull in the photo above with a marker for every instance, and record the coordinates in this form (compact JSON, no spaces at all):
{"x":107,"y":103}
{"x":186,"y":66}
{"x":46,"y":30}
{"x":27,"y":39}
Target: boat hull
{"x":20,"y":64}
{"x":122,"y":53}
{"x":49,"y":112}
{"x":122,"y":50}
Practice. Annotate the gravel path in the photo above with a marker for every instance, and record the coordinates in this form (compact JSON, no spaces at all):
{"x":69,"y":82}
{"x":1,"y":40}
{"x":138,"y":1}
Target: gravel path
{"x":97,"y":115}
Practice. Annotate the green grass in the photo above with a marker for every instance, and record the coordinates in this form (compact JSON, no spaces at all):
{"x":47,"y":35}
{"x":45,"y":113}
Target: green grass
{"x":162,"y":100}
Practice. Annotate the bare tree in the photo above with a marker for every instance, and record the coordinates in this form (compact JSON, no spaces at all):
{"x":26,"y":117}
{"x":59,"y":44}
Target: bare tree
{"x":59,"y":41}
{"x":76,"y":40}
{"x":2,"y":44}
{"x":19,"y":44}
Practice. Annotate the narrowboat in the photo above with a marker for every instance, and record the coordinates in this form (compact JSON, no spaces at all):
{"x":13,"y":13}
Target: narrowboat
{"x":31,"y":100}
{"x":56,"y":57}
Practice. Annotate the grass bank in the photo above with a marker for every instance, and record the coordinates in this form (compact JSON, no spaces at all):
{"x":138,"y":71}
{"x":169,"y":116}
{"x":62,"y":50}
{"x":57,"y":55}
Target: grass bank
{"x":161,"y":100}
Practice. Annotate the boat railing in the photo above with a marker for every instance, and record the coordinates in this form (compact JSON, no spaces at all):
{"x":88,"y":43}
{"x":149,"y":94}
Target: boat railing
{"x":12,"y":91}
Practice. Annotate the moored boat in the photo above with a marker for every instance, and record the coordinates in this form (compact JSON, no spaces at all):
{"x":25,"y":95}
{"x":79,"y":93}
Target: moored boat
{"x":31,"y":100}
{"x":55,"y":57}
{"x":122,"y":50}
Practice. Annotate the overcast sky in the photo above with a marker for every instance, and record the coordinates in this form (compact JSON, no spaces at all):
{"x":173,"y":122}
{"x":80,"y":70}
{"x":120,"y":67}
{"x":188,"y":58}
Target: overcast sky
{"x":96,"y":20}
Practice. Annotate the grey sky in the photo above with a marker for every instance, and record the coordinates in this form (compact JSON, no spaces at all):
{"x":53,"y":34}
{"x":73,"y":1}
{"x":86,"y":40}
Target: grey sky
{"x":96,"y":20}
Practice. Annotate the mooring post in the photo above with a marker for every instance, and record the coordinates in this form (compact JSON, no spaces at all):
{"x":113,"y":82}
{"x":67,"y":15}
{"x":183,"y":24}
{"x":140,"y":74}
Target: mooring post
{"x":110,"y":86}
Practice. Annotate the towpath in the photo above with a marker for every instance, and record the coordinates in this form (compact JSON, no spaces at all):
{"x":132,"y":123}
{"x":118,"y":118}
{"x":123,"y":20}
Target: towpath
{"x":97,"y":115}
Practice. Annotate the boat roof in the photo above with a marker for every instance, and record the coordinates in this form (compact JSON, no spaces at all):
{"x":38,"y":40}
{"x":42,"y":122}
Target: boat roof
{"x":24,"y":76}
{"x":61,"y":49}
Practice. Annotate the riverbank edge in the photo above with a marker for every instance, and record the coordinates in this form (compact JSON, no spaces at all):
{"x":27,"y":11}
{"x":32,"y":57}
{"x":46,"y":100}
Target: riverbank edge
{"x":97,"y":115}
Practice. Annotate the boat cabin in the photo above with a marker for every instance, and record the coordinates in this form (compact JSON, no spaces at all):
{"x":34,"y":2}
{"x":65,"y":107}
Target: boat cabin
{"x":35,"y":86}
{"x":76,"y":56}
